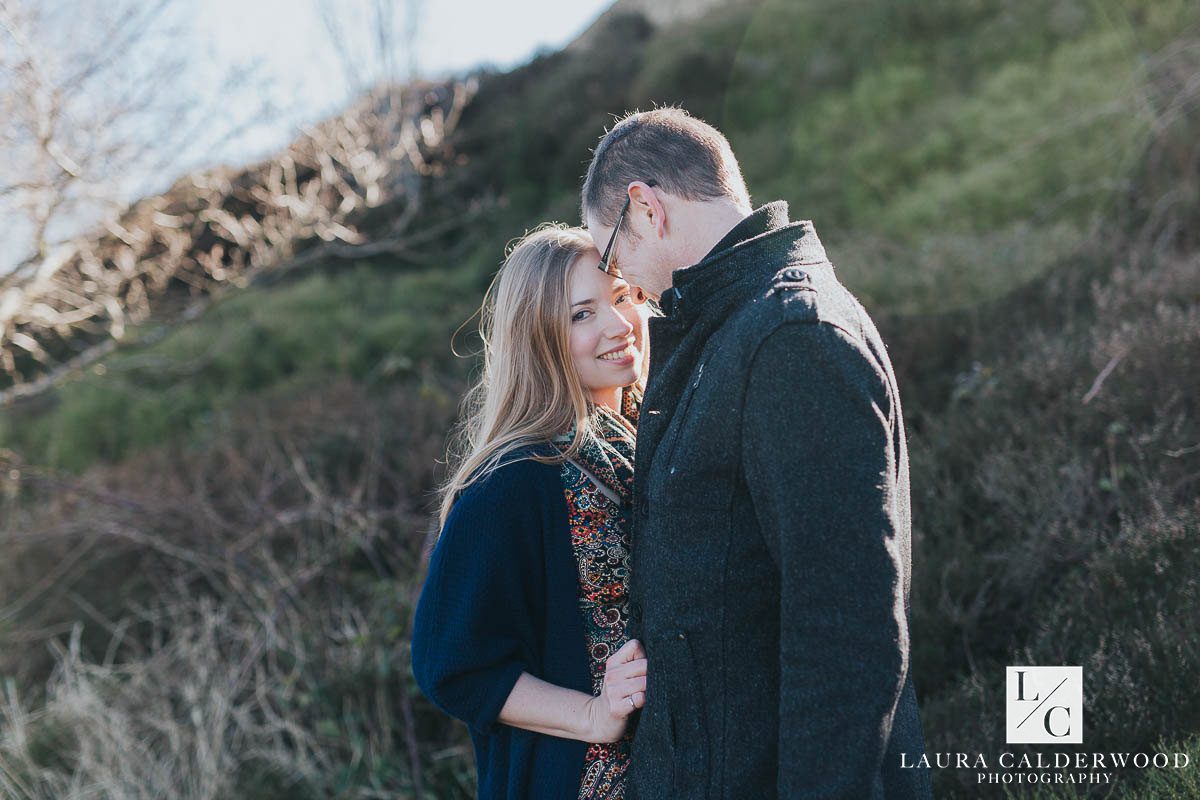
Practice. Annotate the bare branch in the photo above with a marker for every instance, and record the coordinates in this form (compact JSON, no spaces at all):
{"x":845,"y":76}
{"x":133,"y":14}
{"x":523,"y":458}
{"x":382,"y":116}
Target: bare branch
{"x":222,"y":228}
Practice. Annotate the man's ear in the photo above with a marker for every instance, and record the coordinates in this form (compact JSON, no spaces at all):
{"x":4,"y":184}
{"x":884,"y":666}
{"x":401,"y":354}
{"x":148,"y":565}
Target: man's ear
{"x":645,"y":204}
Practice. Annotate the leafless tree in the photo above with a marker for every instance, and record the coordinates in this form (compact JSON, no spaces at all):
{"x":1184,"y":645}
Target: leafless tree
{"x":374,"y":41}
{"x":70,"y":304}
{"x":375,"y":44}
{"x":98,"y":100}
{"x":225,"y":227}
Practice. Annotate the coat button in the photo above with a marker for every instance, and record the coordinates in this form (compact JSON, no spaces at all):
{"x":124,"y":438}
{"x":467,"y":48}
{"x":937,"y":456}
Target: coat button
{"x":644,"y":509}
{"x":794,"y":274}
{"x":635,"y":611}
{"x":682,"y":636}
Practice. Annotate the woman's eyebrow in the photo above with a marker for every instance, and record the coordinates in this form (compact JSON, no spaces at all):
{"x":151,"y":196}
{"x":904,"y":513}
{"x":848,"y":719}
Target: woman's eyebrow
{"x":587,"y":302}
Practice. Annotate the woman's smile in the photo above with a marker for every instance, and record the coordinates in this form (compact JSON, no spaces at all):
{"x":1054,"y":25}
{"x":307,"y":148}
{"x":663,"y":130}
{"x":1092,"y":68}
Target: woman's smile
{"x":621,"y":357}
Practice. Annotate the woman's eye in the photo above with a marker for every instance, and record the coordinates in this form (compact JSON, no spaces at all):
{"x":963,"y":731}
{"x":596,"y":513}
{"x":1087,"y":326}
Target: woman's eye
{"x":623,"y":297}
{"x":579,"y":316}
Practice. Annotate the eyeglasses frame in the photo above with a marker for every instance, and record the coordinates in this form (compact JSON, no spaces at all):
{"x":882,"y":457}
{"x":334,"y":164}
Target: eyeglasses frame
{"x":612,"y":240}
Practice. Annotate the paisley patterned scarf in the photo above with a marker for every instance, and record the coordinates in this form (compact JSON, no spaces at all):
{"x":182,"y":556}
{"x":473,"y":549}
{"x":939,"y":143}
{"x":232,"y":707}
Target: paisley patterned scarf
{"x":608,"y":455}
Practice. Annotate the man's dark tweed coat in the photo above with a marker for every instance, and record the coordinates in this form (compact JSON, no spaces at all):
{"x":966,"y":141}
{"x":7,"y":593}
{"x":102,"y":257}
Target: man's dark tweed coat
{"x":772,"y":535}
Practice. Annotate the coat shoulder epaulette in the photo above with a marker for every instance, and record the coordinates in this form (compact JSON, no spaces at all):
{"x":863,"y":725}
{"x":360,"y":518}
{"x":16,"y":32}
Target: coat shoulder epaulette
{"x":793,"y":295}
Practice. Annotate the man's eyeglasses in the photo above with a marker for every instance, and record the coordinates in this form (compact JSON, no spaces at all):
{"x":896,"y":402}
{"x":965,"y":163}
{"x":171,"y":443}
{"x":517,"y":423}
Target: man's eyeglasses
{"x":603,"y":266}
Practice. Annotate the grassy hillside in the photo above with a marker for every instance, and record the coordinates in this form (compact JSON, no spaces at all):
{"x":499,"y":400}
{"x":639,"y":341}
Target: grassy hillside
{"x":234,"y":515}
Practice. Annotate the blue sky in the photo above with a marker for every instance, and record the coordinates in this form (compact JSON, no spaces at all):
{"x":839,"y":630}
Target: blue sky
{"x":289,"y":64}
{"x":298,"y":71}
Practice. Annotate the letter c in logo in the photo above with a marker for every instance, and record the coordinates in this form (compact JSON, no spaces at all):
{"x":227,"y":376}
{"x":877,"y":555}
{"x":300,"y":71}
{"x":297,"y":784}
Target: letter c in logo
{"x":1047,"y":720}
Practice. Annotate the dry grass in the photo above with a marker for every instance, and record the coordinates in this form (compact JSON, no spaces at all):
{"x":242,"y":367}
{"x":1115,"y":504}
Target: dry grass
{"x":236,"y":618}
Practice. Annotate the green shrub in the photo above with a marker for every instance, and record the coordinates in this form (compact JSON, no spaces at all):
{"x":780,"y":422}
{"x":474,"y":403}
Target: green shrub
{"x":364,"y":323}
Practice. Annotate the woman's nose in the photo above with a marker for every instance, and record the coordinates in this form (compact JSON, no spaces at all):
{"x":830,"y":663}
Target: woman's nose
{"x":618,"y":326}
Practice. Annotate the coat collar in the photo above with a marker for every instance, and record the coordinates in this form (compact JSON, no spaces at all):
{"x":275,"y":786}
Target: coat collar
{"x":753,"y":250}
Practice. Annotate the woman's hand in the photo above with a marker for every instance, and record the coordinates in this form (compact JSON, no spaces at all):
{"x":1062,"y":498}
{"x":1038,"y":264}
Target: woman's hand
{"x":624,"y":691}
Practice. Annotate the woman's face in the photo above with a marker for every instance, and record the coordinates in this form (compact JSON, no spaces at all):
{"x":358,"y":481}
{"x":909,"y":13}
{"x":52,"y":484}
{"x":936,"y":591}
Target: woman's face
{"x":607,"y":330}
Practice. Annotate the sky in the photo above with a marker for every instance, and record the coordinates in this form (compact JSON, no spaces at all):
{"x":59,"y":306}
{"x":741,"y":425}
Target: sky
{"x":288,"y":40}
{"x":291,"y":75}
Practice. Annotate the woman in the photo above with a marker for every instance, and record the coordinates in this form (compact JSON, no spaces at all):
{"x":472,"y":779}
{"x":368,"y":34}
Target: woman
{"x":520,"y":629}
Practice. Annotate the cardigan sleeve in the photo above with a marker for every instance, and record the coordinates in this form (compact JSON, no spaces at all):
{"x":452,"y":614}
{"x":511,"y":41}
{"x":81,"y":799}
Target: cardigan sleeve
{"x":475,"y":628}
{"x":820,"y":469}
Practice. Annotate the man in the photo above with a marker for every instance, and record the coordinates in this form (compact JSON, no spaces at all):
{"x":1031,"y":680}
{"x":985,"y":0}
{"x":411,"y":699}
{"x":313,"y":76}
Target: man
{"x":771,"y":532}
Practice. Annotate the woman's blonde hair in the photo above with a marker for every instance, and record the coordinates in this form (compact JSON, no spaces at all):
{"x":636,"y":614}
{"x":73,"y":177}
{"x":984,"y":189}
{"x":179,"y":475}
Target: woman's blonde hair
{"x":529,"y":391}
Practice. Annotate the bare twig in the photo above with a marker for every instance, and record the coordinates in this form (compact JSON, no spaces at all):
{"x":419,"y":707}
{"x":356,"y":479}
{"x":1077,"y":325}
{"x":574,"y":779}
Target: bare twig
{"x":1103,"y":376}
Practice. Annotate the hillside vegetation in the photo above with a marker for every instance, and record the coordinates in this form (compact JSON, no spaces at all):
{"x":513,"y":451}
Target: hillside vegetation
{"x":212,"y":543}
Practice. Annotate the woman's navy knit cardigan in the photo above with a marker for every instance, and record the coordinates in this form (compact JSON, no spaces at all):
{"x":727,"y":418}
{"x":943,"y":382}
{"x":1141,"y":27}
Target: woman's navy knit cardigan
{"x":502,"y":597}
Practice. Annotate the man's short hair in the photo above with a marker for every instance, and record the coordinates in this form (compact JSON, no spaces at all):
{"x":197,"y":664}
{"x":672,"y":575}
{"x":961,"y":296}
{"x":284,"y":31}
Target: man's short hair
{"x":686,"y":156}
